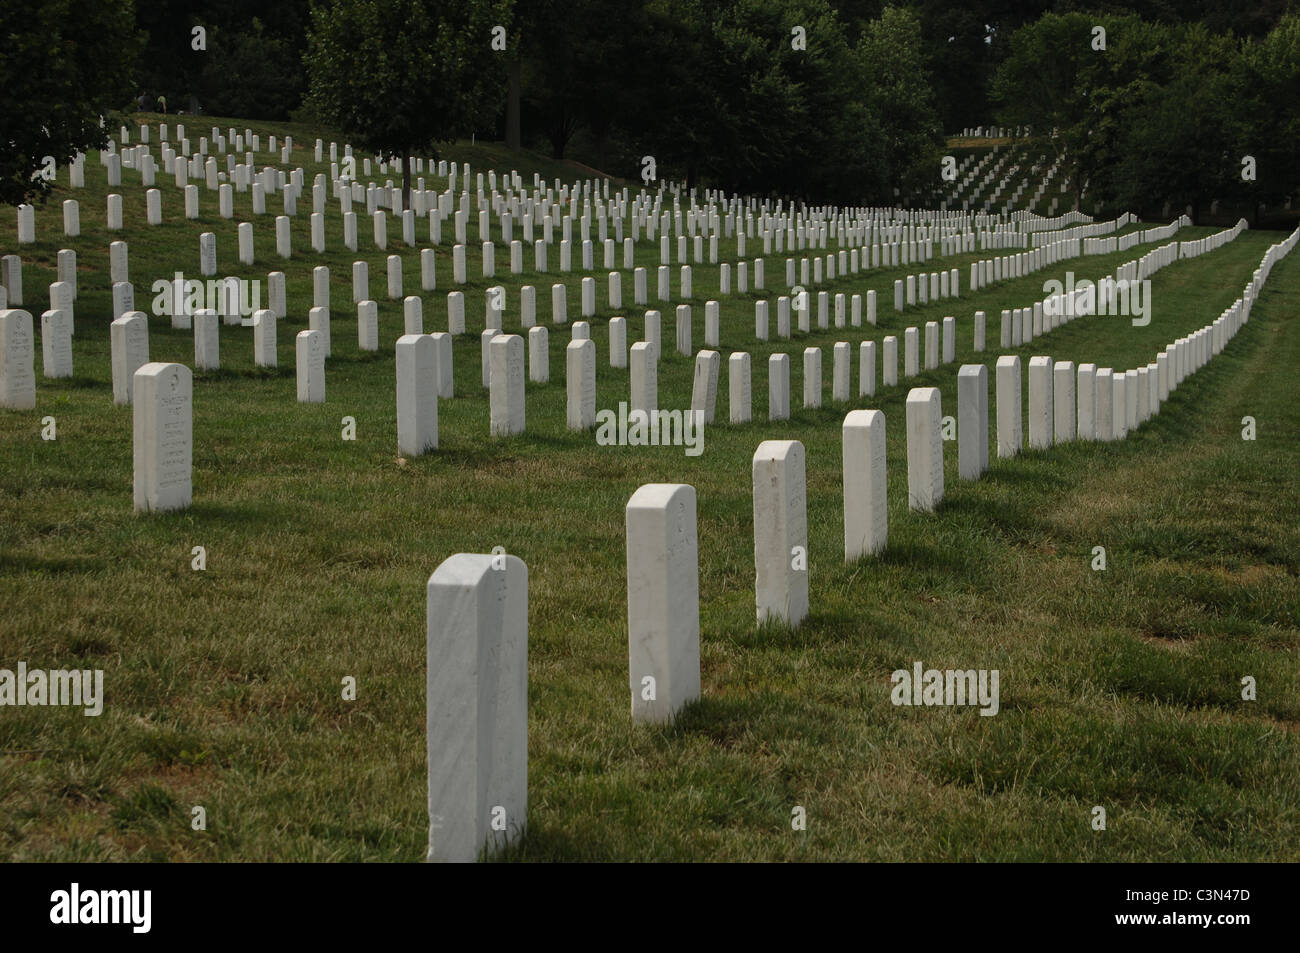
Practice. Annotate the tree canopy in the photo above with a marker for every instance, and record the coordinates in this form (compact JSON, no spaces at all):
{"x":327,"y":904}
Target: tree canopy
{"x":399,"y":76}
{"x":64,"y":67}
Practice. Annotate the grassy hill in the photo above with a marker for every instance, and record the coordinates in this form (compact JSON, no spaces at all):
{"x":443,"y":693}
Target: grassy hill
{"x":1119,"y":688}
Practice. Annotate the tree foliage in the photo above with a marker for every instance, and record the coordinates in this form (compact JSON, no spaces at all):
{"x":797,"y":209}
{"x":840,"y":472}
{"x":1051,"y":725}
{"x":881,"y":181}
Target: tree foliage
{"x":400,"y":76}
{"x":63,"y":67}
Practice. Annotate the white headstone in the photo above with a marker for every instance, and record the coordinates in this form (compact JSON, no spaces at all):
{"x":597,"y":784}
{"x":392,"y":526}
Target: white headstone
{"x":1087,"y":402}
{"x":1105,"y":398}
{"x":309,"y":353}
{"x":580,"y":383}
{"x":739,"y":387}
{"x":924,"y":448}
{"x":163,"y":433}
{"x":264,"y":338}
{"x":1063,"y":402}
{"x":17,"y":360}
{"x":129,"y":349}
{"x":443,"y":363}
{"x":207,"y":342}
{"x":812,"y":377}
{"x":506,"y":383}
{"x":644,"y":378}
{"x":841,"y":371}
{"x":931,"y":345}
{"x":1010,"y":420}
{"x":56,"y":344}
{"x":867,"y":369}
{"x":413,"y":314}
{"x":417,"y":394}
{"x":476,"y":692}
{"x":1119,"y":405}
{"x":778,"y":387}
{"x":704,"y":390}
{"x":1041,"y":413}
{"x":663,"y":600}
{"x":866,"y":516}
{"x":539,"y":355}
{"x":618,"y":342}
{"x":368,"y":325}
{"x":780,"y":531}
{"x":684,"y":330}
{"x":972,"y":421}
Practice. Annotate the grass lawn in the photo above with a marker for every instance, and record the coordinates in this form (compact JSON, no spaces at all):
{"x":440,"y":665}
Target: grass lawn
{"x":1119,"y":689}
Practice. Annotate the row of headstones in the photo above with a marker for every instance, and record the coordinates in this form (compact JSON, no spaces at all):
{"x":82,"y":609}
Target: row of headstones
{"x":206,"y":349}
{"x":245,"y":236}
{"x":477,"y":604}
{"x":1016,"y":325}
{"x":269,"y":185}
{"x":912,"y":290}
{"x":1082,"y":232}
{"x":416,"y":163}
{"x":233,"y":136}
{"x":1108,"y":404}
{"x":1211,"y":242}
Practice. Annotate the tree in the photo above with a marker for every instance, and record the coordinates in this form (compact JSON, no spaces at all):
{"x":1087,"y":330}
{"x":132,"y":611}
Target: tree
{"x":249,"y":63}
{"x":64,"y":65}
{"x":399,"y":76}
{"x":1038,"y":84}
{"x":897,"y":77}
{"x":1266,"y":96}
{"x":251,"y":72}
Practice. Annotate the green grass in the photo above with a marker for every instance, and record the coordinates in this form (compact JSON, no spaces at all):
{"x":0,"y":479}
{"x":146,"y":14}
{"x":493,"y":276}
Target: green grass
{"x":1118,"y":689}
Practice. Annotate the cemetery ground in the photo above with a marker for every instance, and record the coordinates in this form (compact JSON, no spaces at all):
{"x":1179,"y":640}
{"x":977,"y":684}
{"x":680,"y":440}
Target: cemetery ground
{"x":1119,"y":688}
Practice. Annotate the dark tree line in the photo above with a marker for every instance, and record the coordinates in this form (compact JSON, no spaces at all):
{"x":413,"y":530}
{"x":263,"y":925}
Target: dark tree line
{"x":823,"y":100}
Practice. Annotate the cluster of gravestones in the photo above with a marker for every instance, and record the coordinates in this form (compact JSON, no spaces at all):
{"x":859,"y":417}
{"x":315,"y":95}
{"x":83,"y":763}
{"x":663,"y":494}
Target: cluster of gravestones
{"x":477,"y":604}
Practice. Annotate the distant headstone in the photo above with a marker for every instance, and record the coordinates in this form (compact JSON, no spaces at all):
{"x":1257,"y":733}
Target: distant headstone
{"x":778,"y":387}
{"x":1041,"y":413}
{"x":618,"y":342}
{"x":207,"y":341}
{"x":539,"y":355}
{"x":264,"y":338}
{"x":368,"y":325}
{"x":644,"y":378}
{"x":129,"y":351}
{"x":1063,"y":402}
{"x":1105,"y":398}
